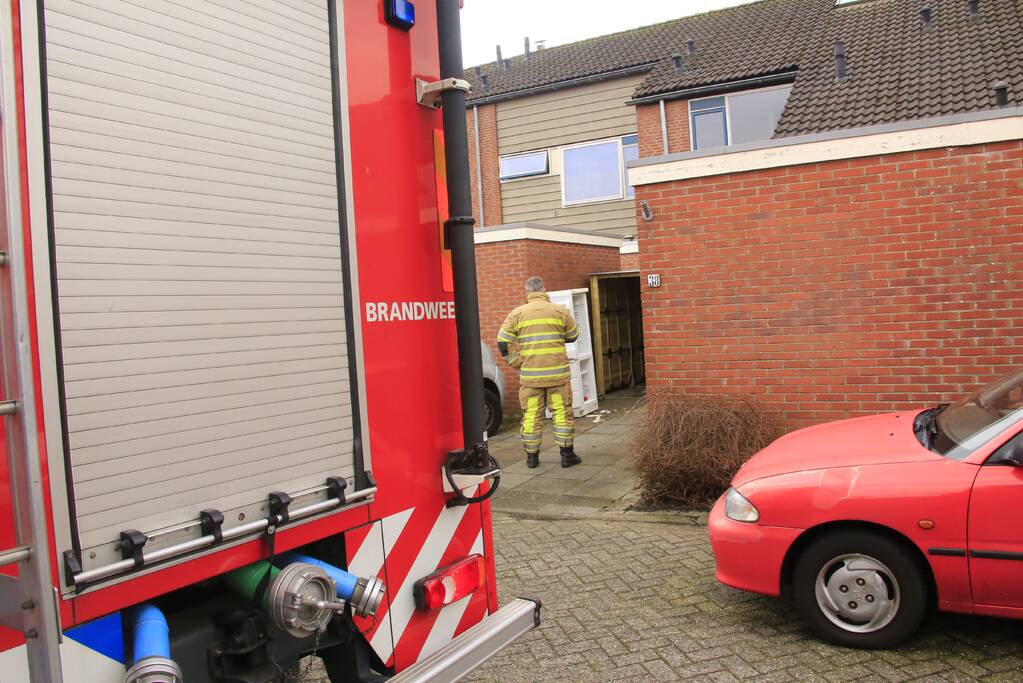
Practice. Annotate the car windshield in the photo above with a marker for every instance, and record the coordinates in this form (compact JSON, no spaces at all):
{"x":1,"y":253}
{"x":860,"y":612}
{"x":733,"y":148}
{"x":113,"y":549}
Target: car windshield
{"x":963,"y":427}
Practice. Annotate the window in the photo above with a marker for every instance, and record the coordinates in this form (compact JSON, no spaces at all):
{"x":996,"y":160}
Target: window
{"x":710,"y":124}
{"x":592,"y":172}
{"x":595,"y":171}
{"x":736,"y":118}
{"x":630,"y":152}
{"x":524,"y":165}
{"x":961,"y":428}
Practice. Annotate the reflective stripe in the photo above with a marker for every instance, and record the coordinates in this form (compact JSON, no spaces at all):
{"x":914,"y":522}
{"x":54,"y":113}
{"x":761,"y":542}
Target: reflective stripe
{"x":540,"y":336}
{"x":540,"y":321}
{"x":529,"y":418}
{"x":506,"y":336}
{"x":548,"y":375}
{"x":571,"y":334}
{"x":564,"y":430}
{"x":558,"y":409}
{"x":546,"y":372}
{"x":557,"y":354}
{"x":544,"y":351}
{"x":540,"y":327}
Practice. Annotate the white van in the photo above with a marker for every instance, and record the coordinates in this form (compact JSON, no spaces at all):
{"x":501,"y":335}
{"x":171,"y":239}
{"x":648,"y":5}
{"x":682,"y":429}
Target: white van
{"x":493,"y":392}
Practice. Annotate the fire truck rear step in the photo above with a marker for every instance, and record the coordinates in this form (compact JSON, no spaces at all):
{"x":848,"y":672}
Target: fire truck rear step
{"x":476,"y":645}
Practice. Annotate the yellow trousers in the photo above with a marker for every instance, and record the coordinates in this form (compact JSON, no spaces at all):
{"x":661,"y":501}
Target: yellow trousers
{"x":534,"y":401}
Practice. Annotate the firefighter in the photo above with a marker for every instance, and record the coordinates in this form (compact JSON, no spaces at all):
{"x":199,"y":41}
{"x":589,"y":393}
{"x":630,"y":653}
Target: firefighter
{"x":540,"y":329}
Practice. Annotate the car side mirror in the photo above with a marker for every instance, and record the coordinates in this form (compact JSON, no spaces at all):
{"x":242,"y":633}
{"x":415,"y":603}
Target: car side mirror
{"x":1011,"y":453}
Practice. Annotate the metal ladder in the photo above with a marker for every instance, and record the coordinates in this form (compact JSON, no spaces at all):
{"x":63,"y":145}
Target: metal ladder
{"x":28,"y":601}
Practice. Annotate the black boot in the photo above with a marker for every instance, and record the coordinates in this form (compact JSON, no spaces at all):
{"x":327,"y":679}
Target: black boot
{"x":532,"y":460}
{"x":568,"y":457}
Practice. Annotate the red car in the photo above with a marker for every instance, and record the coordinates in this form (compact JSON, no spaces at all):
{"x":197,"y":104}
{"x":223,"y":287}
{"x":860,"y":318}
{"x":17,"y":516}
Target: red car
{"x":869,"y":522}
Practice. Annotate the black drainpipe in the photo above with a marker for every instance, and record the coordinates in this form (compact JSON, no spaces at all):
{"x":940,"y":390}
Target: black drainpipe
{"x":459,"y":233}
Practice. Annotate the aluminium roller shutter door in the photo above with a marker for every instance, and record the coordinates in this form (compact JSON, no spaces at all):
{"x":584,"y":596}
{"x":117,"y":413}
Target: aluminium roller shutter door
{"x":197,"y":254}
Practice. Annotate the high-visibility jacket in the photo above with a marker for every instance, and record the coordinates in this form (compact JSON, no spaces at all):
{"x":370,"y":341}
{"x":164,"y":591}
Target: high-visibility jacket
{"x":541,"y":329}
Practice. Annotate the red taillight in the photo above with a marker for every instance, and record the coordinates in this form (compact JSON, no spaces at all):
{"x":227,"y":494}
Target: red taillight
{"x":450,"y":584}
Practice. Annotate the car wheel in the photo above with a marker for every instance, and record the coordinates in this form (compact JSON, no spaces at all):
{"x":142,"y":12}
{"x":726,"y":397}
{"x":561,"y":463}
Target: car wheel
{"x":860,"y":589}
{"x":492,"y":413}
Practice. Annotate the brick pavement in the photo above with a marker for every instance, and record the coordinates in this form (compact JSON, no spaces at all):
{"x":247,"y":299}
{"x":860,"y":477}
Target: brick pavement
{"x":628,"y":600}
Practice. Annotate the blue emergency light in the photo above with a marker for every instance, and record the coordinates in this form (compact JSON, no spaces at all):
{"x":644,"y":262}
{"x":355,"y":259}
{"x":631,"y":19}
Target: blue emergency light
{"x":400,"y":14}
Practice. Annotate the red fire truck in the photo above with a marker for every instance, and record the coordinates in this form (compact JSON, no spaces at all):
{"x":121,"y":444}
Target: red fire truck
{"x":242,"y":394}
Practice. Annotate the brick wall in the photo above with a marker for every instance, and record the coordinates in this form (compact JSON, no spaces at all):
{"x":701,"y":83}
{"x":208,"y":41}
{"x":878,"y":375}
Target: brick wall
{"x":677,"y":115}
{"x":629,"y":262}
{"x":838,"y":288}
{"x":648,"y":128}
{"x":501,"y":272}
{"x":489,"y":162}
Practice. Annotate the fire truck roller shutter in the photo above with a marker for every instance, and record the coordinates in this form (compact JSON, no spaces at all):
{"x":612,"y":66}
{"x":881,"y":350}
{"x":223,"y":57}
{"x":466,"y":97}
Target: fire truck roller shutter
{"x":197,"y":248}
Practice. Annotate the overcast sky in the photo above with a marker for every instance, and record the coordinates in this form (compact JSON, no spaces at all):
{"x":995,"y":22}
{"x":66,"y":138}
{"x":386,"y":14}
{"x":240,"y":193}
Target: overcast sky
{"x":485,"y":23}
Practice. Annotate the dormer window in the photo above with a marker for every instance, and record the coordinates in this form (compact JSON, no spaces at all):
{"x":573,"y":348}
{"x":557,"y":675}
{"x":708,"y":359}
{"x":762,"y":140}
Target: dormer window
{"x":735,"y":118}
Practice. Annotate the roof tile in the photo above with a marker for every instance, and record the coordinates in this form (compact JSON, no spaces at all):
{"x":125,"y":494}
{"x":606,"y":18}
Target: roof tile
{"x":897,"y":69}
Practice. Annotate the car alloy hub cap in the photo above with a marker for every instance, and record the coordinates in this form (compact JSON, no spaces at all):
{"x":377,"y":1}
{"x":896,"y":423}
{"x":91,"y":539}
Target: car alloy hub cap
{"x":857,"y":593}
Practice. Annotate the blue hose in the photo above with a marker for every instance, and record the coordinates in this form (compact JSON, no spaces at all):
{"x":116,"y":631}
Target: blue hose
{"x":150,"y":633}
{"x":345,"y":582}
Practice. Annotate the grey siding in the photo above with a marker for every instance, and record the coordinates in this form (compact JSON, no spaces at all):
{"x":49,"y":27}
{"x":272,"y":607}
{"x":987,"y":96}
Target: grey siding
{"x":565,"y":117}
{"x":539,"y":200}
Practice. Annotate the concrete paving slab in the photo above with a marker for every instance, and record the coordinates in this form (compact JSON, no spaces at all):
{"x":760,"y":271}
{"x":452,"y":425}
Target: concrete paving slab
{"x":547,"y":505}
{"x":608,"y":428}
{"x":612,"y":490}
{"x":597,"y":438}
{"x":509,"y":435}
{"x":609,"y":475}
{"x":598,"y":459}
{"x":577,"y":473}
{"x":519,"y":467}
{"x":549,"y":485}
{"x":615,"y":451}
{"x":510,"y":480}
{"x":603,"y":479}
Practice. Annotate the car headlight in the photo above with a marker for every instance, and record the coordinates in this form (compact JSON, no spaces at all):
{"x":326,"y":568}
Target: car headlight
{"x":738,"y":508}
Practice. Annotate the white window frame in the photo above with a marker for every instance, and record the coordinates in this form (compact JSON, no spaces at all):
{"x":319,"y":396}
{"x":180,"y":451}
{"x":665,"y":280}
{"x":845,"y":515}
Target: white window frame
{"x":625,"y":172}
{"x":728,"y":111}
{"x":526,"y":176}
{"x":623,"y":179}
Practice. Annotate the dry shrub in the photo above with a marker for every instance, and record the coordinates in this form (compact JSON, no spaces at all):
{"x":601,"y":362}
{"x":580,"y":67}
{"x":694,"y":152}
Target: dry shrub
{"x":687,"y":448}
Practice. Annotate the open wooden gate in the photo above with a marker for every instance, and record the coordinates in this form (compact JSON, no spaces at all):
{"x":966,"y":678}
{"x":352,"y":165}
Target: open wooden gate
{"x":618,"y":330}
